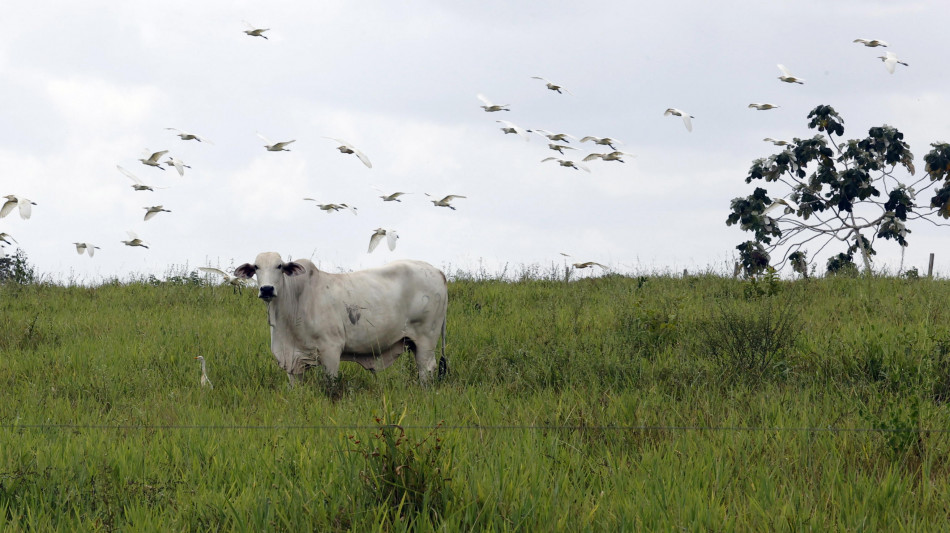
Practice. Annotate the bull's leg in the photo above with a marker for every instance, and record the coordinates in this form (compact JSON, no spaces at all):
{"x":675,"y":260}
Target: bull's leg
{"x":328,"y":355}
{"x":426,"y":361}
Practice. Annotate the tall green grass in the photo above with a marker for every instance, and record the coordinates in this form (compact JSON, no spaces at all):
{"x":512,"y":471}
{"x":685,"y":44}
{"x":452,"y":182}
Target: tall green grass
{"x":599,"y":404}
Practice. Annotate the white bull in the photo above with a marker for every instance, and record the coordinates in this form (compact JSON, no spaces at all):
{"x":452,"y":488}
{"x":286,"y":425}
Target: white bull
{"x":369,"y":317}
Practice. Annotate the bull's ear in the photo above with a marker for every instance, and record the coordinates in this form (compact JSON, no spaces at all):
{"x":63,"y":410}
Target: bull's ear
{"x":293,"y":269}
{"x":245,"y":271}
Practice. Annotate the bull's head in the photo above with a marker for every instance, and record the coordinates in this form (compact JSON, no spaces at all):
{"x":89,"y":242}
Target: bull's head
{"x":270,"y":272}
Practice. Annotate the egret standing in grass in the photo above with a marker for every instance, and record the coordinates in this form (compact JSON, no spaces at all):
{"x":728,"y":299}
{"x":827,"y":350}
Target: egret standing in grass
{"x":205,"y":382}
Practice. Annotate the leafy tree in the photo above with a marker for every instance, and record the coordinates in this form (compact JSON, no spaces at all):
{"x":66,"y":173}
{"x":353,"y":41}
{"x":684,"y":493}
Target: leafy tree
{"x":838,"y":191}
{"x":16,"y":268}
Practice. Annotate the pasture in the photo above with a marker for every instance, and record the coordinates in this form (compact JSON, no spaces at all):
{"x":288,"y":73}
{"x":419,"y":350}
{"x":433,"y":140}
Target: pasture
{"x":603,"y":404}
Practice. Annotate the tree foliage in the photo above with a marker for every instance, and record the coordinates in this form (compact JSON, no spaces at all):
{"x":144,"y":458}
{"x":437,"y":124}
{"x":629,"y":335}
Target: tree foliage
{"x":843,"y":191}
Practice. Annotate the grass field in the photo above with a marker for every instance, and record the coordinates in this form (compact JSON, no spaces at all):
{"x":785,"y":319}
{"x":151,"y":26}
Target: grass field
{"x":607,"y":404}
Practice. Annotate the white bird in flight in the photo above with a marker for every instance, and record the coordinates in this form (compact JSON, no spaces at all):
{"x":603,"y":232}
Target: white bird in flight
{"x":559,"y":148}
{"x":870,"y":42}
{"x":490,"y":107}
{"x":134,"y":240}
{"x":891,"y":61}
{"x":275,"y":147}
{"x":137,"y":184}
{"x":551,"y":85}
{"x":234,"y":281}
{"x":86,"y":247}
{"x":348,"y":148}
{"x":687,"y":118}
{"x":763,"y":107}
{"x":154,"y":210}
{"x":329,"y":208}
{"x":152,"y":160}
{"x":205,"y":382}
{"x":254,"y":31}
{"x":789,"y":205}
{"x":567,"y":163}
{"x":445,"y":202}
{"x":25,"y":205}
{"x":603,"y":141}
{"x":588,"y":264}
{"x":616,"y":155}
{"x":787,"y":76}
{"x":394,"y":197}
{"x":185,"y":136}
{"x":377,"y":236}
{"x":179,"y":165}
{"x":562,"y":137}
{"x":776,"y":142}
{"x":511,"y":127}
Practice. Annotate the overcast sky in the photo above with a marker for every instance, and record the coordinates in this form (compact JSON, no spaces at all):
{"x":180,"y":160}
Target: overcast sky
{"x":97,"y":84}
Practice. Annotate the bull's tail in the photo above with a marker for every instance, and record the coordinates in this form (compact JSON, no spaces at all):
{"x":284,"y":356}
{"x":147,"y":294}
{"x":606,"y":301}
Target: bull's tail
{"x":443,"y":362}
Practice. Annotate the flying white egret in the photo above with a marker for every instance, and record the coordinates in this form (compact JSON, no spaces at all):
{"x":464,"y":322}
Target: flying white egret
{"x":616,"y":155}
{"x":687,"y":118}
{"x":559,"y":148}
{"x":604,"y":141}
{"x":891,"y":61}
{"x":562,"y":137}
{"x":377,"y":236}
{"x":25,"y":205}
{"x":776,"y":142}
{"x":205,"y":382}
{"x":870,"y":42}
{"x":333,"y":207}
{"x":86,"y":247}
{"x":588,"y":264}
{"x":179,"y":165}
{"x":154,"y":210}
{"x":551,"y":85}
{"x":186,"y":136}
{"x":137,"y":184}
{"x":490,"y":107}
{"x":134,"y":240}
{"x":5,"y":236}
{"x":787,"y":76}
{"x":234,"y":281}
{"x":394,"y":197}
{"x":275,"y":147}
{"x":446,"y":201}
{"x":789,"y":206}
{"x":763,"y":107}
{"x":511,"y":127}
{"x":348,"y":148}
{"x":254,"y":31}
{"x":567,"y":163}
{"x":152,"y":160}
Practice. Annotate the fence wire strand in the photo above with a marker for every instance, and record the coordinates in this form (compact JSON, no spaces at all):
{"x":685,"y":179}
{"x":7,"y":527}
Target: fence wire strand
{"x":475,"y":427}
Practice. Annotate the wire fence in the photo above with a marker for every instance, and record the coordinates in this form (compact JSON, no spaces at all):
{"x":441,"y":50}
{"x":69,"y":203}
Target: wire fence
{"x":475,"y":427}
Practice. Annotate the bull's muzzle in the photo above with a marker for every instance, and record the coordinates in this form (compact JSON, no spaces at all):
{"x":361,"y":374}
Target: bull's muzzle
{"x":266,"y":293}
